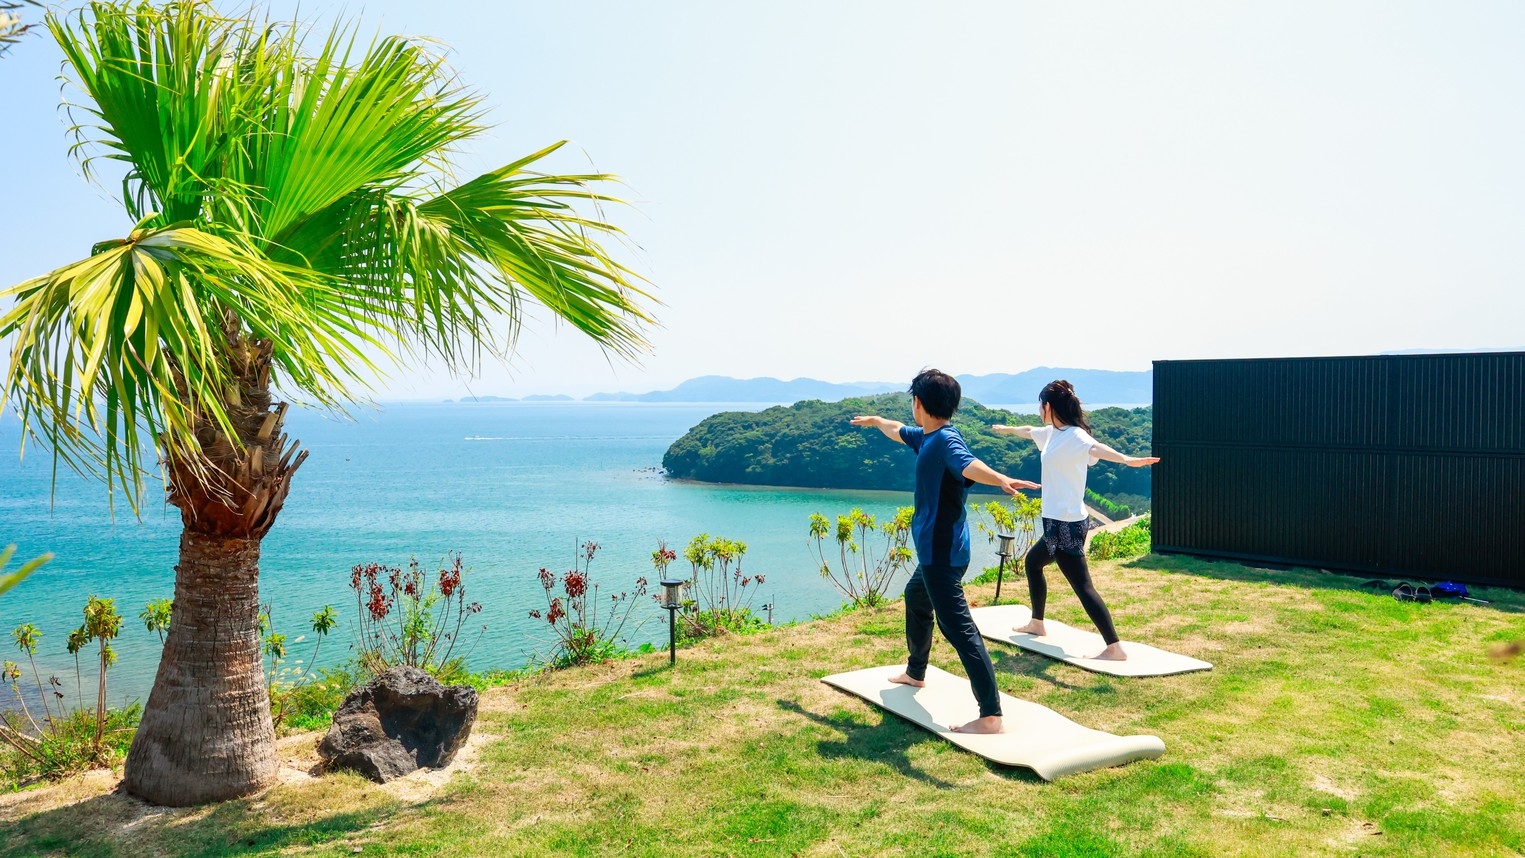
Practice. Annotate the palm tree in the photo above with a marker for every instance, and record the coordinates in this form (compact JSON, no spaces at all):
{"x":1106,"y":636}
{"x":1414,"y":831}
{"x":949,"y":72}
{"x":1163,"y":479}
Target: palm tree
{"x":293,"y":219}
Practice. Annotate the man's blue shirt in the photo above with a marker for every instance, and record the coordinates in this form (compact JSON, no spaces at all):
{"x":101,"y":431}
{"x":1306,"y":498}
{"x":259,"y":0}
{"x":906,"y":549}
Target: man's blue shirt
{"x":939,"y":527}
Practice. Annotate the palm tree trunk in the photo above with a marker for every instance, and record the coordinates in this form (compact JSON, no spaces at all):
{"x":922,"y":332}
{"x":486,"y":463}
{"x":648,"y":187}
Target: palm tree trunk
{"x":206,"y":733}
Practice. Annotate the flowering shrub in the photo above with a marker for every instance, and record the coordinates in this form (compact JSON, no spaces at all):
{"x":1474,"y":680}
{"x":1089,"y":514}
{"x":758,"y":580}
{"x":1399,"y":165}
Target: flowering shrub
{"x":721,"y":593}
{"x":412,"y":617}
{"x":587,"y":626}
{"x":871,"y":553}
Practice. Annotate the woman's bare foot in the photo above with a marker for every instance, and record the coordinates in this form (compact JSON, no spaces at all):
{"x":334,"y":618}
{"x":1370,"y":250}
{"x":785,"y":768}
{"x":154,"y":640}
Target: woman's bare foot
{"x":905,"y":679}
{"x":987,"y":724}
{"x":1033,"y":627}
{"x":1113,"y":652}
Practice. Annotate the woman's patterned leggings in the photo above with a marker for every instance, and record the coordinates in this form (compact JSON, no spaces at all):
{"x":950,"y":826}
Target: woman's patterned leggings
{"x":1073,"y":565}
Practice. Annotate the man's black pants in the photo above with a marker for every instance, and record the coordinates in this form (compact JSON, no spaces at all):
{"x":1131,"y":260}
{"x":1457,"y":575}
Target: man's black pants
{"x":937,"y":592}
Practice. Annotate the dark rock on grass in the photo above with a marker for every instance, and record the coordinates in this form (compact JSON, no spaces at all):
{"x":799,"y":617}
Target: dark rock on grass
{"x":401,"y":721}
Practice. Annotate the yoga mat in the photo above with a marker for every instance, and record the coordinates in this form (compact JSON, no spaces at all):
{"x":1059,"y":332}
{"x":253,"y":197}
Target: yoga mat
{"x":1036,"y":737}
{"x":1073,"y":645}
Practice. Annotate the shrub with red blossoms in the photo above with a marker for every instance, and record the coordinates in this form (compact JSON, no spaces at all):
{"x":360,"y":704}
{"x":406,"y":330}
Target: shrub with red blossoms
{"x":412,"y":617}
{"x":587,"y":628}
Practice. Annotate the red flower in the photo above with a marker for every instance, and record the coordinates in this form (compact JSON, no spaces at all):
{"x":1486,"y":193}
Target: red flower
{"x":380,"y":604}
{"x":576,"y":584}
{"x":449,"y":579}
{"x":547,"y":580}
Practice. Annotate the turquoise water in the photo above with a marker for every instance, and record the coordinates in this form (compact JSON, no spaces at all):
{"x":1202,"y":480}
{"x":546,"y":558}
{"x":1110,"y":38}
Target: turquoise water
{"x":513,"y":486}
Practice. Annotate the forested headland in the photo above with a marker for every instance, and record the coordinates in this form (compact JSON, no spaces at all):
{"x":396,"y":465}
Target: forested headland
{"x":811,"y":445}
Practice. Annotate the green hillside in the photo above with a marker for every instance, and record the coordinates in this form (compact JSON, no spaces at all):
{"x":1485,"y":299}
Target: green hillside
{"x":811,"y":445}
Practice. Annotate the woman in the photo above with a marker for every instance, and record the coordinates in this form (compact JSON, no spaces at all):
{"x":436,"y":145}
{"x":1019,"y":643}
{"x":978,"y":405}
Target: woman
{"x":1067,"y":449}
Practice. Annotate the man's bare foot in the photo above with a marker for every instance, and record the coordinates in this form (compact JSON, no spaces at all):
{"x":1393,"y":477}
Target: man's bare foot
{"x":988,"y":724}
{"x":1113,"y":652}
{"x":905,"y":679}
{"x":1033,"y":627}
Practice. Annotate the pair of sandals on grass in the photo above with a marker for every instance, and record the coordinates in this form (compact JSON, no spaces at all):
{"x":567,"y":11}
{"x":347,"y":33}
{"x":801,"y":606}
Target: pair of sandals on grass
{"x":1404,"y":592}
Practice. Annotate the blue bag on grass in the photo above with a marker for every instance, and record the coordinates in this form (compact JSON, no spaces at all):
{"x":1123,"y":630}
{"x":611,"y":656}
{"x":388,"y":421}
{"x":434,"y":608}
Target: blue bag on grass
{"x":1450,"y":590}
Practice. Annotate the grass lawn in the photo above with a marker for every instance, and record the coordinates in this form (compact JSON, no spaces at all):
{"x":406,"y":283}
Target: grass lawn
{"x":1334,"y":722}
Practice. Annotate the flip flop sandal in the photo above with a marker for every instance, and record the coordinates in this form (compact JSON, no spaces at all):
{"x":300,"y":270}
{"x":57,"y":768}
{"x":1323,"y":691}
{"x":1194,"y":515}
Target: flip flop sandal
{"x":1404,"y":592}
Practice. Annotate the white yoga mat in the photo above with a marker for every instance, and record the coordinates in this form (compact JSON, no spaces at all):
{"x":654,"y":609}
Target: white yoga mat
{"x":1036,"y":737}
{"x":1073,"y":645}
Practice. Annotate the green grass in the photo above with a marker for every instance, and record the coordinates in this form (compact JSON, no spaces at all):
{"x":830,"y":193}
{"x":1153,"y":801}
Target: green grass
{"x":1334,"y":722}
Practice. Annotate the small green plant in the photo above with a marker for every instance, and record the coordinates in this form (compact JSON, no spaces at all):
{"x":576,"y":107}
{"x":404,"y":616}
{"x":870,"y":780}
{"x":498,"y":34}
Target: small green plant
{"x":1132,"y":541}
{"x":405,"y":618}
{"x":70,"y":746}
{"x":587,"y":627}
{"x":64,"y":742}
{"x":310,"y":704}
{"x":871,"y":553}
{"x":156,"y":616}
{"x":286,"y":683}
{"x":721,"y":593}
{"x":26,"y":637}
{"x":1018,"y":516}
{"x":102,"y":625}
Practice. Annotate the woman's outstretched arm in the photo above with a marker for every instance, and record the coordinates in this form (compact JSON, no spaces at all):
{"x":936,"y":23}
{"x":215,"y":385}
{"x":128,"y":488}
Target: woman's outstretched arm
{"x":1107,"y":454}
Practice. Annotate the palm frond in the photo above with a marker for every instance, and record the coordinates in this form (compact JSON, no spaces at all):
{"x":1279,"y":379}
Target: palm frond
{"x":527,"y":228}
{"x":131,"y":341}
{"x":288,"y":199}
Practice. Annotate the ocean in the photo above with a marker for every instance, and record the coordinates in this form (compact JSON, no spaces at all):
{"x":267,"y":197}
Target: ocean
{"x":513,"y":487}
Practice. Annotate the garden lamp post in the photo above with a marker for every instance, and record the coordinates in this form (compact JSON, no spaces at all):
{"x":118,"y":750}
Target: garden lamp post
{"x":1004,"y":550}
{"x":672,"y":601}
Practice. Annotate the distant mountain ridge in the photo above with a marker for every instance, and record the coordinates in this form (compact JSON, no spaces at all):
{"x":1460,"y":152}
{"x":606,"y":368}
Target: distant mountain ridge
{"x":1093,"y":385}
{"x":720,"y":388}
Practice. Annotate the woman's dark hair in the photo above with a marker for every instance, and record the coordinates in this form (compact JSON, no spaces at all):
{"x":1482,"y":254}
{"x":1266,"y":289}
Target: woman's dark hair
{"x":1060,"y":396}
{"x":938,"y":391}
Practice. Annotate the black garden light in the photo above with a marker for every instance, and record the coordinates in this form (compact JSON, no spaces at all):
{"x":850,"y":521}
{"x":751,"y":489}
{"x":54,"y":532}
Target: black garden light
{"x":1004,"y":551}
{"x":672,"y":600}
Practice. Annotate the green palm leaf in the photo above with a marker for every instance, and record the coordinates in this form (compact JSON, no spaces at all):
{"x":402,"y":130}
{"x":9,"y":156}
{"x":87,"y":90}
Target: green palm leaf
{"x":288,"y":198}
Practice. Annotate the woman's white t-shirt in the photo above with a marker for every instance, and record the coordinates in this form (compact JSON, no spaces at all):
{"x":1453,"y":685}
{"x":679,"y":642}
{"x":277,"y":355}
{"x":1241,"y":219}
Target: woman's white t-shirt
{"x":1066,"y":453}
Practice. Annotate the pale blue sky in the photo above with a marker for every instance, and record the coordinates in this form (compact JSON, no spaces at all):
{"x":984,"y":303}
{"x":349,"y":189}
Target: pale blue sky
{"x":852,"y":191}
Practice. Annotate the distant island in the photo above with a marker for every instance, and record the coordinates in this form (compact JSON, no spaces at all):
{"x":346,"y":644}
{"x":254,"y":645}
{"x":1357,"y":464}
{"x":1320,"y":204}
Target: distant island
{"x":1095,"y":385}
{"x":811,"y":445}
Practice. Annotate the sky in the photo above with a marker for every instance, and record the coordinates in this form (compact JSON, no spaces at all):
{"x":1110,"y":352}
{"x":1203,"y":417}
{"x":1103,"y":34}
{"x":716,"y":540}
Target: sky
{"x":853,"y":191}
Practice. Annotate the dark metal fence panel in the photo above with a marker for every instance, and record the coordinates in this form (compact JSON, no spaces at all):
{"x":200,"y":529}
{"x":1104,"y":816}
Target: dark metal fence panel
{"x":1409,"y":465}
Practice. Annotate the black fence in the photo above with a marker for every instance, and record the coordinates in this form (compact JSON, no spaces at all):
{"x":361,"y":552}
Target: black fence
{"x":1408,"y":465}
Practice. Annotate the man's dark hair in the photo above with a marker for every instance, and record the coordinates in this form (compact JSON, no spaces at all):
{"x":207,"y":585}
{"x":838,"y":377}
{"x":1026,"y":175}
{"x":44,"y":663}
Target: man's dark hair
{"x":938,"y":391}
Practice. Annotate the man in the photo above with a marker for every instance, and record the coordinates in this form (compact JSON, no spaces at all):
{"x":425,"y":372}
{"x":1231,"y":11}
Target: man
{"x":945,"y":469}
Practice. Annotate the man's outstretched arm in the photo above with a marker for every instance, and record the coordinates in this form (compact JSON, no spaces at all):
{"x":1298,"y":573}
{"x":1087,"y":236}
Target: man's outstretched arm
{"x":983,"y":473}
{"x":890,"y":428}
